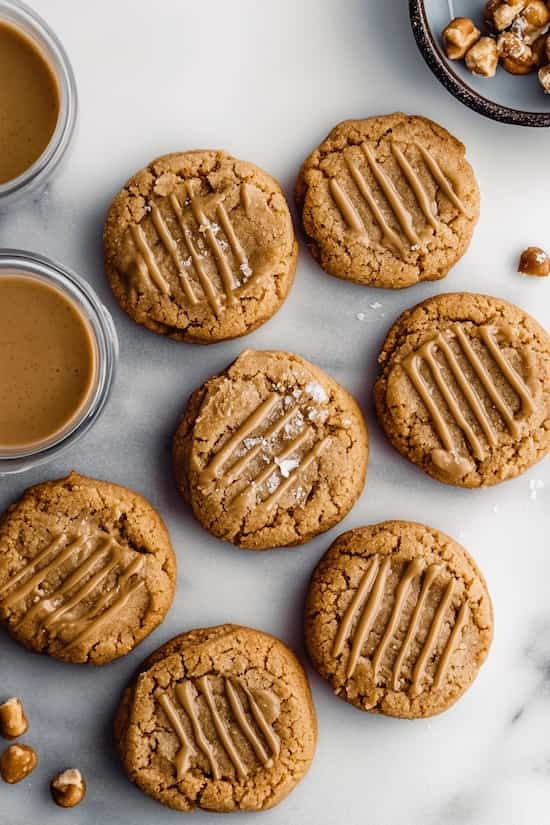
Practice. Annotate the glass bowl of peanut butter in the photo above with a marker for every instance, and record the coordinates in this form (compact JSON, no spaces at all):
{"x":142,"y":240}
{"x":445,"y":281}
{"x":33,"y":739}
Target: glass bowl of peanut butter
{"x":38,"y":102}
{"x":58,"y":356}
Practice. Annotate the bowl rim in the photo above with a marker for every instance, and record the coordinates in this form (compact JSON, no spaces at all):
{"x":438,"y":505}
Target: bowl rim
{"x":456,"y":85}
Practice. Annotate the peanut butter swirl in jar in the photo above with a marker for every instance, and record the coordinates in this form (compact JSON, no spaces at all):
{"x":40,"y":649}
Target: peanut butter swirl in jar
{"x":38,"y":101}
{"x":58,"y":352}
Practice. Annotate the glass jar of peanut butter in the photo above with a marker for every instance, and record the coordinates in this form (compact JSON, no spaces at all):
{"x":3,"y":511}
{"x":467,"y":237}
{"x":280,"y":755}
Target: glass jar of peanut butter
{"x":38,"y":102}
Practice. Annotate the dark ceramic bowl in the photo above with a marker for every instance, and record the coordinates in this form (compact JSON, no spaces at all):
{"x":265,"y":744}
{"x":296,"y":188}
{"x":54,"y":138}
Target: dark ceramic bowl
{"x":507,"y":98}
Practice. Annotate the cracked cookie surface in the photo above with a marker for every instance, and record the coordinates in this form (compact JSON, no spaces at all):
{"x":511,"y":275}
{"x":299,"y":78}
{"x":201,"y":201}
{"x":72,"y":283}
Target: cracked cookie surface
{"x":464,"y":389}
{"x":218,"y":718}
{"x":398,"y":619}
{"x":199,"y":246}
{"x":271,"y":452}
{"x":87,"y":569}
{"x":388,"y":201}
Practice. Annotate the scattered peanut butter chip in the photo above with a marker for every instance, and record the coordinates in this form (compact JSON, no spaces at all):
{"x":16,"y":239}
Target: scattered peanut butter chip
{"x":17,"y":762}
{"x":13,"y":722}
{"x":534,"y":261}
{"x":68,"y":788}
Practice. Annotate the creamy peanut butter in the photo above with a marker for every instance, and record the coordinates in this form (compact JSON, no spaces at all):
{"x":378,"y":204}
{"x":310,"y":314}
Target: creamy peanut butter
{"x":29,"y":102}
{"x":47,"y":362}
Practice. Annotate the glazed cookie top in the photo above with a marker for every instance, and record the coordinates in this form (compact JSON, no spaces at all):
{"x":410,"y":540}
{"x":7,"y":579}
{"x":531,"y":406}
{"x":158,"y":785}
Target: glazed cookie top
{"x":199,"y":246}
{"x":86,"y":569}
{"x":388,"y":201}
{"x":398,"y":619}
{"x":220,"y":719}
{"x":464,"y":390}
{"x":271,"y":452}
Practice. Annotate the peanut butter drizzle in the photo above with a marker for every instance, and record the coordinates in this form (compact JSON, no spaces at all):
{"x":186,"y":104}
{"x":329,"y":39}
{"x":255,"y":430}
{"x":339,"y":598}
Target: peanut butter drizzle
{"x":346,"y":207}
{"x":236,"y":469}
{"x":262,"y":477}
{"x":172,"y":248}
{"x":368,"y":616}
{"x":204,"y":279}
{"x":389,"y":237}
{"x":254,"y":420}
{"x":182,"y":758}
{"x":46,"y":604}
{"x":440,"y":177}
{"x":223,"y":265}
{"x":148,"y":269}
{"x":347,"y":619}
{"x":270,"y":736}
{"x":435,"y":628}
{"x":91,"y":625}
{"x":221,"y":729}
{"x":184,"y":692}
{"x":402,"y":214}
{"x":475,"y":404}
{"x":147,"y":255}
{"x":516,"y":381}
{"x":41,"y":574}
{"x":87,"y":624}
{"x":244,"y":724}
{"x":461,"y":620}
{"x":429,"y":576}
{"x":245,"y":199}
{"x":185,"y":696}
{"x":429,"y":210}
{"x":308,"y":459}
{"x":214,"y":470}
{"x":372,"y":588}
{"x":231,"y":235}
{"x":413,"y":570}
{"x":449,"y":460}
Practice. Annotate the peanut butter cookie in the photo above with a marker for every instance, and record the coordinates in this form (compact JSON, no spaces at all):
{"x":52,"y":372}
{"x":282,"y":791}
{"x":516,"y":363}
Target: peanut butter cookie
{"x":219,"y":718}
{"x":87,"y":570}
{"x":464,"y":389}
{"x":200,"y":247}
{"x":398,"y":619}
{"x":271,"y":452}
{"x":388,"y":201}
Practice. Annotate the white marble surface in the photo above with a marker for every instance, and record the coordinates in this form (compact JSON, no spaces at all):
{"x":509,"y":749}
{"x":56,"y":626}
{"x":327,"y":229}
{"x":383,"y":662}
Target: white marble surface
{"x":267,"y":81}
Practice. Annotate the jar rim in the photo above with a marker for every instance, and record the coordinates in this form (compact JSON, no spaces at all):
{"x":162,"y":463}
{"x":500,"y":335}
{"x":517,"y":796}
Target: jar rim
{"x":102,"y":327}
{"x":18,"y":14}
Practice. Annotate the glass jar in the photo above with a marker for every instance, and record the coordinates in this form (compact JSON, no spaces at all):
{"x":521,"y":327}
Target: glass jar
{"x":21,"y":17}
{"x":76,"y":290}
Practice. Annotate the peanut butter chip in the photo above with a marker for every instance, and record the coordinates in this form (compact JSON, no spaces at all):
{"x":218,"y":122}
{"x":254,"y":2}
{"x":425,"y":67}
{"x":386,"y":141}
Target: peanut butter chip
{"x":17,"y":762}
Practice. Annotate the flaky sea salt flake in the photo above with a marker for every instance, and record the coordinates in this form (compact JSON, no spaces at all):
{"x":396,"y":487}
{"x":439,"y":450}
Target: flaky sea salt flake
{"x":286,"y":465}
{"x":316,"y":391}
